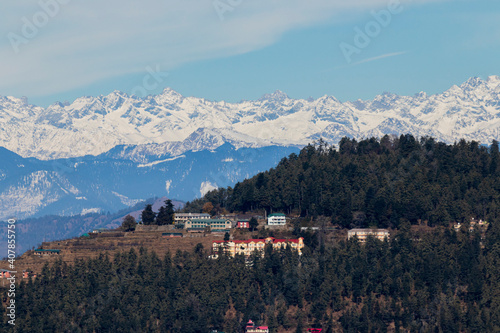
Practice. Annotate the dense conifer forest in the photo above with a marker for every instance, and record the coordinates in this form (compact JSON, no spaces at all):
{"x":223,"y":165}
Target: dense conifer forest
{"x":443,"y":281}
{"x":375,"y":183}
{"x":440,"y":280}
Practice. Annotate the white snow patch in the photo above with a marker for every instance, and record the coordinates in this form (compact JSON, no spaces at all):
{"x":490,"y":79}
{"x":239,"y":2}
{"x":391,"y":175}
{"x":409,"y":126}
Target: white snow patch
{"x":158,"y":162}
{"x":86,"y":211}
{"x":206,"y":187}
{"x":25,"y":198}
{"x":126,"y":200}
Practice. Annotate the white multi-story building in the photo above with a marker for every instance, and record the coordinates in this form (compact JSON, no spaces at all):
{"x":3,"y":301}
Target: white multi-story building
{"x":276,"y":219}
{"x":183,"y":217}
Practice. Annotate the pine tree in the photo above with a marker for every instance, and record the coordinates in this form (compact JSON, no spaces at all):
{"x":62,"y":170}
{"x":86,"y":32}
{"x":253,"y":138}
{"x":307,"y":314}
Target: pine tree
{"x":148,"y":216}
{"x":166,"y":214}
{"x":253,"y":223}
{"x":161,"y":218}
{"x":169,"y":210}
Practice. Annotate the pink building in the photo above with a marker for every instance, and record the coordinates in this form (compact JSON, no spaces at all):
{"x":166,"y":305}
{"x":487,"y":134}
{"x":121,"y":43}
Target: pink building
{"x":243,"y":224}
{"x":4,"y":274}
{"x":251,"y":328}
{"x":248,"y":246}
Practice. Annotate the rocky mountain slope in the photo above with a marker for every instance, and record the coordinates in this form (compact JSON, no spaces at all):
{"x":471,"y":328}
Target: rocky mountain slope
{"x":96,"y":184}
{"x":170,"y":123}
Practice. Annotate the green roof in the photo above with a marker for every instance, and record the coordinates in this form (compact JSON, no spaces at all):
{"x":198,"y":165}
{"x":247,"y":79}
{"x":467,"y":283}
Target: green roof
{"x":208,"y":220}
{"x":43,"y":250}
{"x":276,"y":214}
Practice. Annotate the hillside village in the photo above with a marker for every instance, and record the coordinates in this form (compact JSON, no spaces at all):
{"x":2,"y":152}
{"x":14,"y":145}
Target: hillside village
{"x":187,"y":231}
{"x":231,"y":234}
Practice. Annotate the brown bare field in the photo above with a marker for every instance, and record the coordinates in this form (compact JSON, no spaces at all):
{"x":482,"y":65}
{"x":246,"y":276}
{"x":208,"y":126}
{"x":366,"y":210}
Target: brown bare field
{"x":110,"y":243}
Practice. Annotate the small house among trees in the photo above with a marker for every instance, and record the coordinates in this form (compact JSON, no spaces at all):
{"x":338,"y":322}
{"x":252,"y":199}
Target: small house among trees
{"x":252,"y":328}
{"x":276,"y":219}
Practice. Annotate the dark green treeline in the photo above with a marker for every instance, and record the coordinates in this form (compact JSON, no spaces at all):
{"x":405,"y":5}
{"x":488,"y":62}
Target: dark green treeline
{"x":375,"y":183}
{"x":444,"y":281}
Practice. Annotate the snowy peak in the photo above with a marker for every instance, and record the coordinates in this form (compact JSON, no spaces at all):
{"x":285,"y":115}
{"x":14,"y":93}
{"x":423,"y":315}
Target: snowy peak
{"x":168,"y":97}
{"x":170,"y":124}
{"x":494,"y":80}
{"x":472,"y":82}
{"x":277,"y":96}
{"x":171,"y":92}
{"x":476,"y":88}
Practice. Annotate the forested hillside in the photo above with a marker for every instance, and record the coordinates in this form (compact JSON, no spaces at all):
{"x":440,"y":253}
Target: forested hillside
{"x":375,"y":183}
{"x":441,"y":282}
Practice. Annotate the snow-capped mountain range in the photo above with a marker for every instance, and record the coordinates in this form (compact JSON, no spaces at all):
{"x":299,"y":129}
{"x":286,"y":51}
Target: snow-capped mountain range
{"x":171,"y":124}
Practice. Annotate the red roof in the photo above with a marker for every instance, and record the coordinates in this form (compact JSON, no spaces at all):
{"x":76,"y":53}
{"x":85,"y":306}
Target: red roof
{"x":274,"y":240}
{"x":285,"y":240}
{"x":251,"y":325}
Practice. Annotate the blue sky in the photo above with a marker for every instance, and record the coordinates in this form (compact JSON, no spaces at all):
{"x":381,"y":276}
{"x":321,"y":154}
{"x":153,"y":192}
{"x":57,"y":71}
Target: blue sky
{"x":241,"y":49}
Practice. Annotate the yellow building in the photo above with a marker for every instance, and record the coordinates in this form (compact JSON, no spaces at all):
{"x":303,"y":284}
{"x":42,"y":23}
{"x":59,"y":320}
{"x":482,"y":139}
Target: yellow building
{"x":248,"y":246}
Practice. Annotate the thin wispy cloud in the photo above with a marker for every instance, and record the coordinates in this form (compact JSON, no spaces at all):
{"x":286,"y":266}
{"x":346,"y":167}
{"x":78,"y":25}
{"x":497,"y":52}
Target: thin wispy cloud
{"x":383,"y":56}
{"x":364,"y":61}
{"x":87,"y":42}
